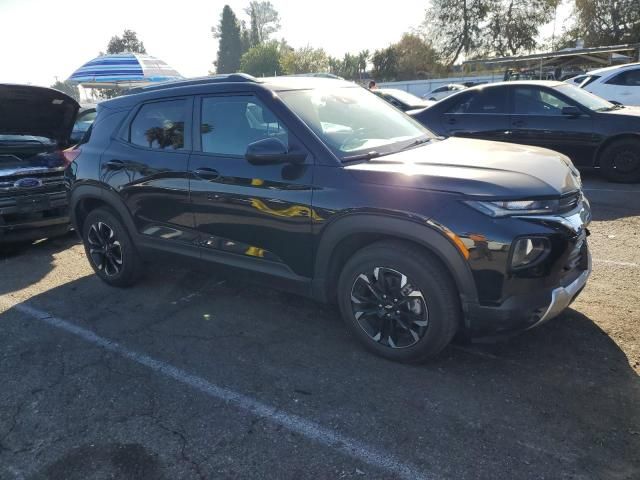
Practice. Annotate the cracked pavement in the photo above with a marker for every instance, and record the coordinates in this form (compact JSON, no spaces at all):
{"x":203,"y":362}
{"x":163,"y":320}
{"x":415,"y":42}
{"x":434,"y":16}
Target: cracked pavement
{"x":559,"y":402}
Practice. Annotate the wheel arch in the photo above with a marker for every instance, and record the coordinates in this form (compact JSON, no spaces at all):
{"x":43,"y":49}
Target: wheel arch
{"x":85,"y":198}
{"x":351,"y":233}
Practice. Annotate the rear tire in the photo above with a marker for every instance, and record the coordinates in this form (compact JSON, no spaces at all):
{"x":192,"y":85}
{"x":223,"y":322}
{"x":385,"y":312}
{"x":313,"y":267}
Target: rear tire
{"x":399,"y":301}
{"x":109,"y":248}
{"x":620,"y":161}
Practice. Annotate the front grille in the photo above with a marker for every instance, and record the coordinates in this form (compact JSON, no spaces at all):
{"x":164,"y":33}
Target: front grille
{"x":569,"y":201}
{"x":52,"y":180}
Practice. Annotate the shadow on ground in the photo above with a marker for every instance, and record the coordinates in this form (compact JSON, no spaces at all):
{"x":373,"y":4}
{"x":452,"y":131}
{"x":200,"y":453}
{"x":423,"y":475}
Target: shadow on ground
{"x":556,"y":402}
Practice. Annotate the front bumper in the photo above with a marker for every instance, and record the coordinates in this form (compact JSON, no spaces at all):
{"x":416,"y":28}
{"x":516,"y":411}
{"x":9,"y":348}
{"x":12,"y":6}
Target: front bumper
{"x":562,"y":297}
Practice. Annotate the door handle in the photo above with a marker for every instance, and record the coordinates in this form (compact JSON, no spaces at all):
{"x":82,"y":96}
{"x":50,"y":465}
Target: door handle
{"x":207,"y":173}
{"x":115,"y":164}
{"x":452,"y":121}
{"x":518,"y":123}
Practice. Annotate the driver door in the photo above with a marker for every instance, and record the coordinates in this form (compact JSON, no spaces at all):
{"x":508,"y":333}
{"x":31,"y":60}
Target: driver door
{"x":251,"y":216}
{"x":537,"y":119}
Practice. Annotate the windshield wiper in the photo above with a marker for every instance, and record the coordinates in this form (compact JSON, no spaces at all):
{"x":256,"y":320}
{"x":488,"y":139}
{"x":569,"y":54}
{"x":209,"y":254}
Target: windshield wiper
{"x":361,"y":156}
{"x":415,"y":143}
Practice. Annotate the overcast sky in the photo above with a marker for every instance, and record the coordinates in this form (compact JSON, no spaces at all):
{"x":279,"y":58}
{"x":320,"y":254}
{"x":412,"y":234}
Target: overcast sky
{"x":44,"y":39}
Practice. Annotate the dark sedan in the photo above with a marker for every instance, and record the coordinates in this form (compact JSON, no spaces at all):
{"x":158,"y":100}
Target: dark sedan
{"x":588,"y":129}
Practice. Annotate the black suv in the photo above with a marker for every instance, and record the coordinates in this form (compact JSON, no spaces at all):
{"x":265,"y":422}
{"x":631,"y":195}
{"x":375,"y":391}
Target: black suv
{"x":333,"y":193}
{"x":35,"y":128}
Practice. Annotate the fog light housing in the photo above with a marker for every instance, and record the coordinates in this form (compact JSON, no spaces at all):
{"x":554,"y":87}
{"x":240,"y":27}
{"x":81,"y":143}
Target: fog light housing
{"x":529,"y":251}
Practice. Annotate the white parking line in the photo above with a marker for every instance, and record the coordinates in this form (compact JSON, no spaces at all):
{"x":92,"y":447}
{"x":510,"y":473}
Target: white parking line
{"x":613,"y":262}
{"x":307,"y":428}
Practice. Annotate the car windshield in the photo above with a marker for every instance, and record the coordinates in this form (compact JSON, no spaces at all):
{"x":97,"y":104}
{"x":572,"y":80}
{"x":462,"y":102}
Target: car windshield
{"x":589,"y":100}
{"x":352,"y":121}
{"x":405,"y":97}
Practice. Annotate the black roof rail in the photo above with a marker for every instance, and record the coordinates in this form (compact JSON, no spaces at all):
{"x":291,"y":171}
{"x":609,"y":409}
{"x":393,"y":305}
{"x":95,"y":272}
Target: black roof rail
{"x":226,"y":78}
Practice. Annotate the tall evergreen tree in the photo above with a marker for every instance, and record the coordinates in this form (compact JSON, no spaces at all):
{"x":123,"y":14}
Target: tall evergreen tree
{"x":230,"y":42}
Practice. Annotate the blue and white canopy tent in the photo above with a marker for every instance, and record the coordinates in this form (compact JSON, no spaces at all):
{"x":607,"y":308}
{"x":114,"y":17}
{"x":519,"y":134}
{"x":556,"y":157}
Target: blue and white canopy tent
{"x":123,"y":70}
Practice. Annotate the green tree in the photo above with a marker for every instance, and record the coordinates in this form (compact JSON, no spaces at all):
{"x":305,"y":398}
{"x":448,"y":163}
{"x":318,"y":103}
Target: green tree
{"x":69,"y":88}
{"x":415,"y":58}
{"x":265,"y":21}
{"x":230,"y":46}
{"x":603,"y":22}
{"x":262,"y":60}
{"x":456,"y":27}
{"x":513,"y":25}
{"x":305,"y":60}
{"x":385,"y":64}
{"x":128,"y":42}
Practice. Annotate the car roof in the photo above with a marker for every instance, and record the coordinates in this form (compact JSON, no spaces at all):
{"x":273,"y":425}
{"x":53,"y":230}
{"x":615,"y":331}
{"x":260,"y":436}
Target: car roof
{"x":227,"y":83}
{"x":600,"y":71}
{"x":539,"y":83}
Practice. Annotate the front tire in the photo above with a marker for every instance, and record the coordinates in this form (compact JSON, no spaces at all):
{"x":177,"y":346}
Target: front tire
{"x":399,"y":301}
{"x":620,"y":161}
{"x":109,"y":248}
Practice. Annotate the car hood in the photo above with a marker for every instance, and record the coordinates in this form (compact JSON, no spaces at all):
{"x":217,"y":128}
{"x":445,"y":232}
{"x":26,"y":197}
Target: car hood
{"x":37,"y":111}
{"x":628,"y":110}
{"x":476,"y":168}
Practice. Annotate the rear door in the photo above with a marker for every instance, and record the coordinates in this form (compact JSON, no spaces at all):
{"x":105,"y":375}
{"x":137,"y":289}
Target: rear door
{"x":257,"y":217}
{"x":623,"y":87}
{"x":481,"y":113}
{"x":148,"y":166}
{"x":538,"y":120}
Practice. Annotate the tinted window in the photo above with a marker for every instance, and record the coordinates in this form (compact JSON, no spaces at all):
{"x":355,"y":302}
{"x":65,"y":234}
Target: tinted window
{"x":441,"y":89}
{"x":628,"y":78}
{"x":490,"y":100}
{"x":230,"y":124}
{"x":535,"y":101}
{"x":160,"y":125}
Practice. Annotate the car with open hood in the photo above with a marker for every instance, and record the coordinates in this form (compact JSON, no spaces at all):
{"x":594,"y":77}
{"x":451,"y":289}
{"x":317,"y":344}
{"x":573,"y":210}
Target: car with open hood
{"x":321,"y":188}
{"x":35,"y":129}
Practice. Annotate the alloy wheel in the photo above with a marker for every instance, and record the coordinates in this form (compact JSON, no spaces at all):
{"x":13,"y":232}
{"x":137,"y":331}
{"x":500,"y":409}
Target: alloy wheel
{"x":627,"y":160}
{"x":389,"y":308}
{"x":105,"y":249}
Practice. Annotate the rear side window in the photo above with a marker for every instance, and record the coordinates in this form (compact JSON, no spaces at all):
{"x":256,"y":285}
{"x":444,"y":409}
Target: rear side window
{"x":160,"y":125}
{"x":490,"y":100}
{"x":629,"y":78}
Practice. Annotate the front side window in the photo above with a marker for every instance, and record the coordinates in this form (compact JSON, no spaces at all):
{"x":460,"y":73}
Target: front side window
{"x":160,"y":125}
{"x":535,"y":101}
{"x":584,"y":98}
{"x":229,"y":124}
{"x":629,"y":78}
{"x":484,"y":101}
{"x":352,"y":121}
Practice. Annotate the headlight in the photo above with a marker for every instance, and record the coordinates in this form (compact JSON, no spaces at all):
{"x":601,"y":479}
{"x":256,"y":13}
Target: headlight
{"x":529,"y":251}
{"x":505,"y":208}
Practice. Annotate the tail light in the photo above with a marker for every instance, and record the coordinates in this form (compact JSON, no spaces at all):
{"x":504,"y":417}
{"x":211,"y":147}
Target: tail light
{"x":70,"y":154}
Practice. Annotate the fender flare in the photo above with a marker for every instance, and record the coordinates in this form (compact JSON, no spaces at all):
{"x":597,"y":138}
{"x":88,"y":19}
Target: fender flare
{"x":427,"y":236}
{"x":104,"y":195}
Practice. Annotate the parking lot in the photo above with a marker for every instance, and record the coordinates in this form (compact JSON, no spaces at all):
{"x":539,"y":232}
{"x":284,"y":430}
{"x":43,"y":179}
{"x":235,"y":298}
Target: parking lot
{"x":197,"y":375}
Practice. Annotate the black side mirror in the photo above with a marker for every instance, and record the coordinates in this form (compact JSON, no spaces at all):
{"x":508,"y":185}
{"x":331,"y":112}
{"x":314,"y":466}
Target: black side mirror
{"x":571,"y":111}
{"x":270,"y":151}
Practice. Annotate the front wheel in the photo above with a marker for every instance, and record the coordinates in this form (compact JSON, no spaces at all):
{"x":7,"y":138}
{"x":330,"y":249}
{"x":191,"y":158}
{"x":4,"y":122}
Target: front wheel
{"x":399,"y":301}
{"x":620,"y":161}
{"x":109,"y":248}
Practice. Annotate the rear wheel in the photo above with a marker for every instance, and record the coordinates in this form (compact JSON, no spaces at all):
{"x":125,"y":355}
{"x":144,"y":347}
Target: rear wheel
{"x":620,"y":161}
{"x":109,"y":248}
{"x":399,"y":301}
